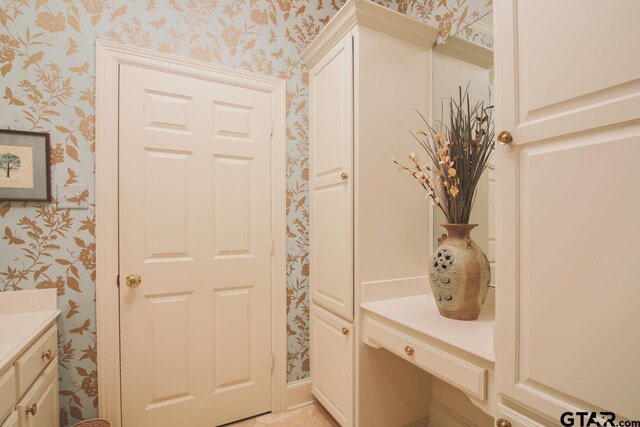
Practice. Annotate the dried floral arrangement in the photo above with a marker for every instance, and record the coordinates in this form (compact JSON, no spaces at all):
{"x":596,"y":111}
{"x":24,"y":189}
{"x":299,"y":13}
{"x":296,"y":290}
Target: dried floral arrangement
{"x":457,"y":156}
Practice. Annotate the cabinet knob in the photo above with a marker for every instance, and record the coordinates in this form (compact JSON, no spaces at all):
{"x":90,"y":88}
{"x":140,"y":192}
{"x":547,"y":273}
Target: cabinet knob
{"x":47,"y":355}
{"x":501,"y":422}
{"x":408,"y":350}
{"x":32,"y":409}
{"x":505,"y":137}
{"x":345,"y":176}
{"x":133,"y":280}
{"x":345,"y":331}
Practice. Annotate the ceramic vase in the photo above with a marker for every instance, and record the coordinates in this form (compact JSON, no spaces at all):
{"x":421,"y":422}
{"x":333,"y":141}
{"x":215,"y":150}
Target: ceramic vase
{"x":459,"y":274}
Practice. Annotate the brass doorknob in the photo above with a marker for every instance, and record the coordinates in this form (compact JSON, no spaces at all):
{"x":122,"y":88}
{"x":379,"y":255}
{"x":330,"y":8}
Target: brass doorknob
{"x":133,"y":280}
{"x":505,"y":137}
{"x":345,"y":176}
{"x":47,"y":355}
{"x":501,"y":422}
{"x":345,"y":331}
{"x":32,"y":409}
{"x":408,"y":350}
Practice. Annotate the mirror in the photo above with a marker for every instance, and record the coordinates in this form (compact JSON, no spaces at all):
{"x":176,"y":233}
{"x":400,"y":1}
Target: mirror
{"x":467,"y":58}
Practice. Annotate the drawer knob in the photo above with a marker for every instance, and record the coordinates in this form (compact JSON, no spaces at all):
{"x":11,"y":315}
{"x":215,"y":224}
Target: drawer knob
{"x":501,"y":422}
{"x":408,"y":350}
{"x":32,"y":409}
{"x":344,"y":176}
{"x":47,"y":355}
{"x":345,"y":331}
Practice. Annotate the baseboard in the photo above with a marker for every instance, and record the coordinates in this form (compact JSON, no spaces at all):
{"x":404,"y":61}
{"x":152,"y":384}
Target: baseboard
{"x":443,"y":416}
{"x":298,"y":394}
{"x":422,"y":422}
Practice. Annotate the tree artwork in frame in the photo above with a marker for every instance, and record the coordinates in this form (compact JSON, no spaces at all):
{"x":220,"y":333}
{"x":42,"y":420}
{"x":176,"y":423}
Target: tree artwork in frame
{"x":24,"y":166}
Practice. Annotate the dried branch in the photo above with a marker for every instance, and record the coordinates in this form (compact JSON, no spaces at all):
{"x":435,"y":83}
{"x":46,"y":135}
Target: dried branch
{"x":457,"y":154}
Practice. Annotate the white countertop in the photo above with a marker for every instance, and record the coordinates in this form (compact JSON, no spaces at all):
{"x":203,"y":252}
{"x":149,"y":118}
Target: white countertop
{"x":18,"y":330}
{"x":24,"y":316}
{"x":420,"y":314}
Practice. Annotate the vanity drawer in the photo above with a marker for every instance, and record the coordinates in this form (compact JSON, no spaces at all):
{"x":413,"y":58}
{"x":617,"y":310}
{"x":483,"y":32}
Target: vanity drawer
{"x":7,"y":393}
{"x":39,"y":407}
{"x":463,"y":374}
{"x":12,"y":421}
{"x":35,"y":359}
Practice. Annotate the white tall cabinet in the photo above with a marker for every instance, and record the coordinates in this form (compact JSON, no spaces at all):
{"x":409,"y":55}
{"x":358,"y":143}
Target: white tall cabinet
{"x":569,"y":208}
{"x":369,"y":69}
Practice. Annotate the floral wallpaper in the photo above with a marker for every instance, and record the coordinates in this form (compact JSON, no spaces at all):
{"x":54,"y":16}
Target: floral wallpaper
{"x":47,"y":84}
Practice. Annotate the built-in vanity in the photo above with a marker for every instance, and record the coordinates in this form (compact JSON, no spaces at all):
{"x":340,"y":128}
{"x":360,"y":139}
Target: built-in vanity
{"x":459,"y":353}
{"x":381,"y":355}
{"x":28,"y":359}
{"x":550,"y":343}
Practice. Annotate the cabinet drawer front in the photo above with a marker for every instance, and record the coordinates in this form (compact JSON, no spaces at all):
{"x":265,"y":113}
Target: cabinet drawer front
{"x":12,"y":421}
{"x":35,"y":359}
{"x":7,"y":393}
{"x":515,"y":418}
{"x":459,"y":372}
{"x":42,"y":398}
{"x":332,"y":372}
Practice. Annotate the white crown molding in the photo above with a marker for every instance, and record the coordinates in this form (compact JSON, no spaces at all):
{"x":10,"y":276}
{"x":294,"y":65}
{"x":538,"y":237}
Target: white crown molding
{"x":468,"y":51}
{"x":483,"y":27}
{"x":374,"y":16}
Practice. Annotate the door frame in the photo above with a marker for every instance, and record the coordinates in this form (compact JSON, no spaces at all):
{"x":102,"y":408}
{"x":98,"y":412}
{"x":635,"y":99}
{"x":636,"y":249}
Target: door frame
{"x":109,"y":56}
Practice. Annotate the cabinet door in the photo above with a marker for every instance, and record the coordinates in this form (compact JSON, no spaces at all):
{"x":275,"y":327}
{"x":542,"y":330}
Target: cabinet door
{"x":568,"y":206}
{"x":12,"y":420}
{"x":39,"y":407}
{"x":332,"y":345}
{"x":331,"y":154}
{"x":7,"y":393}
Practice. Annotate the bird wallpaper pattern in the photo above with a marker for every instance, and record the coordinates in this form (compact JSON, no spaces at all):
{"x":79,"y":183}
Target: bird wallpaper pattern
{"x":47,"y":51}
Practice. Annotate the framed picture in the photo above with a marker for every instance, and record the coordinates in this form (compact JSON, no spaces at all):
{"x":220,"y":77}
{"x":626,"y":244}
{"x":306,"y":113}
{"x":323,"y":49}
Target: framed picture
{"x":24,"y":166}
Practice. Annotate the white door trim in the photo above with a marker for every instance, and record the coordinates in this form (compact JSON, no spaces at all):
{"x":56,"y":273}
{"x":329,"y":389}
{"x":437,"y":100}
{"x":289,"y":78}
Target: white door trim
{"x":109,"y":56}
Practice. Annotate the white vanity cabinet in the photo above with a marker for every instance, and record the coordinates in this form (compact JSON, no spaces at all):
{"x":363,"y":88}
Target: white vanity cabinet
{"x":39,"y":406}
{"x":568,"y":209}
{"x":33,"y":399}
{"x":368,"y":73}
{"x":7,"y":393}
{"x":28,"y":359}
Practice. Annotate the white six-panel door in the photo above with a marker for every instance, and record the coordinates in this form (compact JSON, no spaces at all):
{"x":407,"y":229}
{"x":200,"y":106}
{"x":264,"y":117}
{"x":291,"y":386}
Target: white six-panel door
{"x":568,"y":89}
{"x":331,"y":156}
{"x":195,"y":225}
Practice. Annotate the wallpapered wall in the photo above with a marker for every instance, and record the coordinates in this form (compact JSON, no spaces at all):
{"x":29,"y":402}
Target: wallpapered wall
{"x":47,"y":68}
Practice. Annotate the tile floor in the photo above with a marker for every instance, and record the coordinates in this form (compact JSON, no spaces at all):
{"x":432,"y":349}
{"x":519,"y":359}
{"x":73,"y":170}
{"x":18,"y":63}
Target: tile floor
{"x":308,"y":416}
